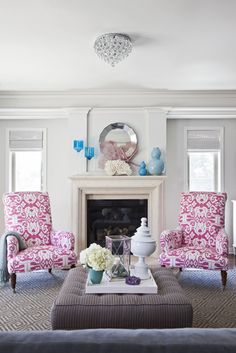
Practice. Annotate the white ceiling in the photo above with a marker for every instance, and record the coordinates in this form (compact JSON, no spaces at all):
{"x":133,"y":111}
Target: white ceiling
{"x":177,"y":44}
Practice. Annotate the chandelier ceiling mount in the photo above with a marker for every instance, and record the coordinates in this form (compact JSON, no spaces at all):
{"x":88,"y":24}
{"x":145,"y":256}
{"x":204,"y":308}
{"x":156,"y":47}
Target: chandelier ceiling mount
{"x":113,"y":47}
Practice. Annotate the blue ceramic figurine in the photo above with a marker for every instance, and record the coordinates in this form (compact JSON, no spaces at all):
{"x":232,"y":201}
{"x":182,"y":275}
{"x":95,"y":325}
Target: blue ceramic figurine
{"x":156,"y":164}
{"x":142,"y":169}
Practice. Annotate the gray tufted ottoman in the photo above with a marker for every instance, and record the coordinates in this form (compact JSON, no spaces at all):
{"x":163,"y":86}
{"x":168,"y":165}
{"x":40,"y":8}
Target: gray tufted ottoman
{"x":73,"y":309}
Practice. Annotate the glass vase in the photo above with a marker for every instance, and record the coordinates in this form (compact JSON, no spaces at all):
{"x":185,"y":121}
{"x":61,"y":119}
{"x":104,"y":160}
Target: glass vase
{"x":89,"y":152}
{"x":119,"y":245}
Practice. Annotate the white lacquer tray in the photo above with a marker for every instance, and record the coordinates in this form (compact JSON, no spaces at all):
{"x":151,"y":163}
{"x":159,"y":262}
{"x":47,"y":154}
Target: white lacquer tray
{"x":147,"y":286}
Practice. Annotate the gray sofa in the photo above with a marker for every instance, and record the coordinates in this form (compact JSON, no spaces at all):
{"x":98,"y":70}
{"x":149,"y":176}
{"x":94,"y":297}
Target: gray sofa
{"x":120,"y":341}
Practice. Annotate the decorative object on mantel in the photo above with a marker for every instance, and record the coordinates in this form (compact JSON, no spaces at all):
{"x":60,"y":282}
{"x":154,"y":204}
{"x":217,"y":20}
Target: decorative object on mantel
{"x":156,"y":165}
{"x":117,"y":141}
{"x":119,"y":245}
{"x":142,"y":169}
{"x":89,"y":152}
{"x":113,"y":47}
{"x":117,"y":167}
{"x":142,"y":245}
{"x":78,"y":145}
{"x":97,"y":259}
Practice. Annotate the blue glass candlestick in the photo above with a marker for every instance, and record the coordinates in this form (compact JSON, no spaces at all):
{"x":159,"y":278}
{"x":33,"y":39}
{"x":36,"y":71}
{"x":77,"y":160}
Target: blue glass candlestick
{"x":89,"y":152}
{"x":78,"y":145}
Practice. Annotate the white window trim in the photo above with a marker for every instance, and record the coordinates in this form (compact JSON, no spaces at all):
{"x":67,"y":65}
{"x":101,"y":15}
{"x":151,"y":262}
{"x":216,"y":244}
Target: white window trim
{"x":222,"y":170}
{"x":44,"y":156}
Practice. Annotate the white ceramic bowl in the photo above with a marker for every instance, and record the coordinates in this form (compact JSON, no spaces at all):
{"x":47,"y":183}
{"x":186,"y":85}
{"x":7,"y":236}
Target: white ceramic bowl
{"x":142,"y":248}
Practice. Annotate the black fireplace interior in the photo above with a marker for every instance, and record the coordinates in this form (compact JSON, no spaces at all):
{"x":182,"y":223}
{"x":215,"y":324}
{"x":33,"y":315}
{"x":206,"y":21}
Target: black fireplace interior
{"x":113,"y":217}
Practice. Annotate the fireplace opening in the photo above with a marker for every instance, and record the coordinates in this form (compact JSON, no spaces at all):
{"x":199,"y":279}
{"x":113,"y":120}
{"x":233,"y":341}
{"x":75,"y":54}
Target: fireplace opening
{"x":113,"y":217}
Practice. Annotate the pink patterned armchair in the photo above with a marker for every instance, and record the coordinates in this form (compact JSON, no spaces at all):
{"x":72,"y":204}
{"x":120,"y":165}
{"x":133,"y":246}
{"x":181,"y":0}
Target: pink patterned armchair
{"x":200,"y":240}
{"x":29,"y":214}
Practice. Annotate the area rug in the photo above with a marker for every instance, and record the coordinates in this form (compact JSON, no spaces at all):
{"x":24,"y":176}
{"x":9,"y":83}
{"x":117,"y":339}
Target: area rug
{"x":212,"y":306}
{"x":29,"y":308}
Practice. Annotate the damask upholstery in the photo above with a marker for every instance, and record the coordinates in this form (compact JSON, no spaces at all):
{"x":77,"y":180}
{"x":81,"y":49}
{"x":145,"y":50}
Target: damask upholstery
{"x":200,"y":240}
{"x":29,"y":214}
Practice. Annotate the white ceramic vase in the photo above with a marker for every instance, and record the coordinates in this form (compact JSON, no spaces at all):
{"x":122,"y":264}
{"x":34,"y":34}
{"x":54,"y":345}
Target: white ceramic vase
{"x":142,"y":245}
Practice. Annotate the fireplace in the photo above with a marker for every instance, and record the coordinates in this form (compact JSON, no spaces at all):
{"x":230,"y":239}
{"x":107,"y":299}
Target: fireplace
{"x":125,"y":189}
{"x":113,"y":217}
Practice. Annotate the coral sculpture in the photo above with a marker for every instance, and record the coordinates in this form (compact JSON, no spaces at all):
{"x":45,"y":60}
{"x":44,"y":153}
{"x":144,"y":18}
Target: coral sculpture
{"x":111,"y":151}
{"x":117,"y":167}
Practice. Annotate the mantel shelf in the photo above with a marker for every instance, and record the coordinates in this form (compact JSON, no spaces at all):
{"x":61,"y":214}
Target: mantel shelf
{"x":117,"y":177}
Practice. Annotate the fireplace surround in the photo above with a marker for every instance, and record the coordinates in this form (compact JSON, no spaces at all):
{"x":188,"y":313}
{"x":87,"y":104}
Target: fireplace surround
{"x":101,"y":187}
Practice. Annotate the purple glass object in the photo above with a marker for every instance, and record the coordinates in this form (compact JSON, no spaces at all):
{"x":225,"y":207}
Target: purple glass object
{"x":89,"y":152}
{"x":78,"y":145}
{"x":132,"y":280}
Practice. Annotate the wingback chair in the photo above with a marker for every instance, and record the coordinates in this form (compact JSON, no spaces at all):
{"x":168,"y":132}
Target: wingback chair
{"x":29,"y":214}
{"x":200,"y":240}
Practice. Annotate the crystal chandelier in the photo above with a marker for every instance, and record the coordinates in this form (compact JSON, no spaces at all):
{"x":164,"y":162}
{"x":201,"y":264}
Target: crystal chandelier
{"x":113,"y":47}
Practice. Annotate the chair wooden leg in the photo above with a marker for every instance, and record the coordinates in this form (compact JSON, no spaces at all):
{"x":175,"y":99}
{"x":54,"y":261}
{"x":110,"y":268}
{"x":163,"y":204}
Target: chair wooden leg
{"x":50,"y":270}
{"x":224,"y":278}
{"x":13,"y":282}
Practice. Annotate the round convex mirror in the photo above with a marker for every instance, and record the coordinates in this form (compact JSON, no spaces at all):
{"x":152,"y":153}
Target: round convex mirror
{"x":120,"y":138}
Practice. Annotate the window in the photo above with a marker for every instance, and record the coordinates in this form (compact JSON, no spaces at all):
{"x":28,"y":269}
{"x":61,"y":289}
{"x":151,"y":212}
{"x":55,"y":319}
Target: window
{"x":27,"y":160}
{"x":204,"y":159}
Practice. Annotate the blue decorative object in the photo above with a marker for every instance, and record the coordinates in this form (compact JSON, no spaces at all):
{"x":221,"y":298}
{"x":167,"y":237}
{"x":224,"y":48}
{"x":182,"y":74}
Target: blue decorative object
{"x":78,"y":145}
{"x":89,"y":152}
{"x":142,"y":169}
{"x":132,"y":280}
{"x":95,"y":277}
{"x":156,"y":165}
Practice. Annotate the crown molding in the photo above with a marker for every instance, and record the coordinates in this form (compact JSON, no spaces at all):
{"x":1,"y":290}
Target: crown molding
{"x":116,"y":98}
{"x":196,"y":112}
{"x":122,"y":92}
{"x":76,"y":112}
{"x":42,"y":113}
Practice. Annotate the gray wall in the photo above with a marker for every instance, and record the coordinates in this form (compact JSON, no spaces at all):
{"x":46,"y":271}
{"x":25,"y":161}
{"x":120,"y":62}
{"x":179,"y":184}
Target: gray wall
{"x":175,"y":165}
{"x":63,"y":162}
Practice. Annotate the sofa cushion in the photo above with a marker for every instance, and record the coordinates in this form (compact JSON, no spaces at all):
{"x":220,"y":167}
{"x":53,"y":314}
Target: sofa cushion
{"x":187,"y":340}
{"x":40,"y":258}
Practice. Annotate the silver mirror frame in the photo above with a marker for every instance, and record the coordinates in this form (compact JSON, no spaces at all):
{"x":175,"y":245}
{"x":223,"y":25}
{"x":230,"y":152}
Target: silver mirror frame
{"x":132,"y":135}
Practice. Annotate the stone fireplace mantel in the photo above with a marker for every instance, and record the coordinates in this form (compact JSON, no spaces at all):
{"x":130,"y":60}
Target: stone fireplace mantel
{"x":88,"y":186}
